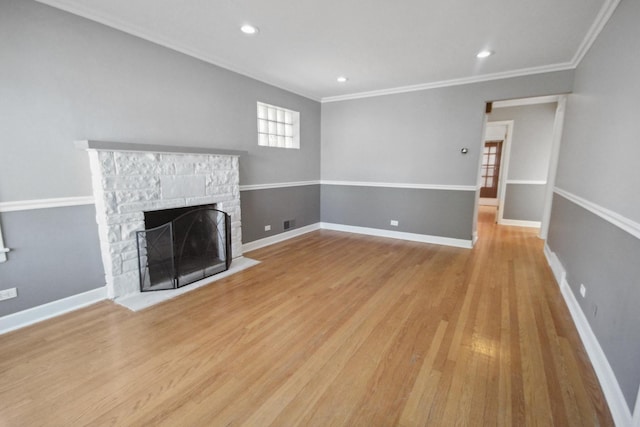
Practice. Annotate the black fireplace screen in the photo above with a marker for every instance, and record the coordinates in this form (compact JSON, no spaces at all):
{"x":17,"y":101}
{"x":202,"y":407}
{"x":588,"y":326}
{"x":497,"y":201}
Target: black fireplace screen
{"x":194,"y":245}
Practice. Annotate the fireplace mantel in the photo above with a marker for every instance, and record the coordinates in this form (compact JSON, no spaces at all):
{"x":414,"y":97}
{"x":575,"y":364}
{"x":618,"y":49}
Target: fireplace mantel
{"x":154,"y":148}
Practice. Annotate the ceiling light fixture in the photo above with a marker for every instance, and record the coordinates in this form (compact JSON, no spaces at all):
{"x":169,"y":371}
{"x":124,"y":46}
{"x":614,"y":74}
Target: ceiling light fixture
{"x":342,"y":79}
{"x":249,"y":29}
{"x":484,"y":54}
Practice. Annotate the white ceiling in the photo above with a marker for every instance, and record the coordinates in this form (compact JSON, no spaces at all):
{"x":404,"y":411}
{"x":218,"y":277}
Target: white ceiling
{"x":381,"y":45}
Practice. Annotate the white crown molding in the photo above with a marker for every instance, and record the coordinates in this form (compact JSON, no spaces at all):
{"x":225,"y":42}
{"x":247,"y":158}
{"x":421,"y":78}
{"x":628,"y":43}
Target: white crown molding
{"x":452,"y":82}
{"x":612,"y":217}
{"x":25,"y":205}
{"x":611,"y":388}
{"x":278,"y":185}
{"x":526,"y":101}
{"x":526,"y":182}
{"x":602,"y":18}
{"x":42,"y":312}
{"x":162,"y":41}
{"x":401,"y":185}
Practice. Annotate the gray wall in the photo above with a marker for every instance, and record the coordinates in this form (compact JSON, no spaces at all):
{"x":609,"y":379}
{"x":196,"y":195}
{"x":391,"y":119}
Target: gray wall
{"x":529,"y":158}
{"x":65,"y":78}
{"x":605,"y":259}
{"x":274,"y":206}
{"x":416,"y":210}
{"x":599,"y":162}
{"x":524,"y":202}
{"x":416,"y":138}
{"x":531,"y":140}
{"x":55,"y":253}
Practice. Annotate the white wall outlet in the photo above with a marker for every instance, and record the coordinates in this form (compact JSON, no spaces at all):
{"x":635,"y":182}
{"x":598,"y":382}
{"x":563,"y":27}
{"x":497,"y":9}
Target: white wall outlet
{"x":583,"y":290}
{"x":394,"y":222}
{"x":267,"y":228}
{"x":8,"y":293}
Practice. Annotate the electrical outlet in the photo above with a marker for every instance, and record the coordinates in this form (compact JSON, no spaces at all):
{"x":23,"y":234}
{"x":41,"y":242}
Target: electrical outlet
{"x":290,"y":223}
{"x":583,"y":290}
{"x":394,"y":222}
{"x":267,"y":228}
{"x":8,"y":293}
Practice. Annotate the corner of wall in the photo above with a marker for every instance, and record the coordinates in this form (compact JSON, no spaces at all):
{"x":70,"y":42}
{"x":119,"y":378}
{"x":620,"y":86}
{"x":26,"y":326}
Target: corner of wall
{"x":613,"y":393}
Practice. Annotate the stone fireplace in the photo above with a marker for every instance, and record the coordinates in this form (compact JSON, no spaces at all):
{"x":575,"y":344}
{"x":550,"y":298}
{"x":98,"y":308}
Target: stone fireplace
{"x":130,"y":179}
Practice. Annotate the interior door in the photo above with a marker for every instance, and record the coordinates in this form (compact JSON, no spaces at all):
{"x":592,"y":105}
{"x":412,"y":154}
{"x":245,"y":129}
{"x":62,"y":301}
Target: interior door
{"x":491,"y":169}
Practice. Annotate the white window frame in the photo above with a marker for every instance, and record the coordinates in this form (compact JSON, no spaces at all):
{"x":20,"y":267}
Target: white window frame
{"x":277,"y":127}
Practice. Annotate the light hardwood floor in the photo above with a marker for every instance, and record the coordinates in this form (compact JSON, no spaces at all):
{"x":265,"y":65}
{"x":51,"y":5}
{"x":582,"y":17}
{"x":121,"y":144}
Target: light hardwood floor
{"x":330,"y":329}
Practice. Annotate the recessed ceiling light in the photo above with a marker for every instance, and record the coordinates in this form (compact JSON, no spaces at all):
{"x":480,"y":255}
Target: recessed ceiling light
{"x":342,"y":79}
{"x":484,"y":54}
{"x":249,"y":29}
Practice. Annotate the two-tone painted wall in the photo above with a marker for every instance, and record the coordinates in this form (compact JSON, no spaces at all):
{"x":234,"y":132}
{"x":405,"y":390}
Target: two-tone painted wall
{"x":529,"y":159}
{"x":65,"y":78}
{"x":398,"y":156}
{"x":594,"y":234}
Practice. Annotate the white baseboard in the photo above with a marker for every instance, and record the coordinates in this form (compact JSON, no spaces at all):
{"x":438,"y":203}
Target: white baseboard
{"x":42,"y":312}
{"x":257,"y":244}
{"x":424,"y":238}
{"x":519,"y":223}
{"x":612,"y":392}
{"x":488,"y":202}
{"x":475,"y":238}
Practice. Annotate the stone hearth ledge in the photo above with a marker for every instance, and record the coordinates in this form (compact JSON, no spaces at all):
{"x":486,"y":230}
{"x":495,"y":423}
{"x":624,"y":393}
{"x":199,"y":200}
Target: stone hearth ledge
{"x":155,"y":148}
{"x":144,"y":300}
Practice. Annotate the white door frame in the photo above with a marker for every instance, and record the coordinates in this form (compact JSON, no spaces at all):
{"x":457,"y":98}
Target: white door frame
{"x":504,"y":163}
{"x":558,"y":124}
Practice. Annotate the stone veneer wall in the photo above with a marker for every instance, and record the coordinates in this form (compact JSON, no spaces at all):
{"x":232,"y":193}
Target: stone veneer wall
{"x":125,"y":184}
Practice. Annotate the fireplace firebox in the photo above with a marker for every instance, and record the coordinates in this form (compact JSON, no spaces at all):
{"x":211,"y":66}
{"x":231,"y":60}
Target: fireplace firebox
{"x":182,"y":245}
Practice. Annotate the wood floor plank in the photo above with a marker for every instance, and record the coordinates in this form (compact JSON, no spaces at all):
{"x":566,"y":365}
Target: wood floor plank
{"x":329,"y":329}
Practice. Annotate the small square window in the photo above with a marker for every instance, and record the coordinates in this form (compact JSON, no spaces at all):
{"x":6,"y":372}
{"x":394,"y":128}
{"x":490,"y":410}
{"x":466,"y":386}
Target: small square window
{"x":278,"y":127}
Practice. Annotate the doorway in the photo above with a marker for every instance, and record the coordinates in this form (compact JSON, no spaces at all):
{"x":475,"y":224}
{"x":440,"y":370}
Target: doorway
{"x":490,"y":169}
{"x":527,"y":183}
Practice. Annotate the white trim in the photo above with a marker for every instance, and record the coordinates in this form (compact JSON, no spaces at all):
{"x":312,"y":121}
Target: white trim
{"x":612,"y":217}
{"x":261,"y":243}
{"x":556,"y":140}
{"x":453,"y":82}
{"x":610,"y":387}
{"x":109,"y":21}
{"x":24,"y":205}
{"x":33,"y":315}
{"x":424,"y":238}
{"x":519,"y":223}
{"x":484,"y":201}
{"x":401,"y":185}
{"x":526,"y":182}
{"x":278,"y":185}
{"x":636,"y":413}
{"x":3,"y":250}
{"x":603,"y":17}
{"x":525,"y":101}
{"x":601,"y":20}
{"x":504,"y":164}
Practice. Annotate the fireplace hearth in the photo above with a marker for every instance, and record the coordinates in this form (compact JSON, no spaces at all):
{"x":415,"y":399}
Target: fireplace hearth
{"x":182,"y":245}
